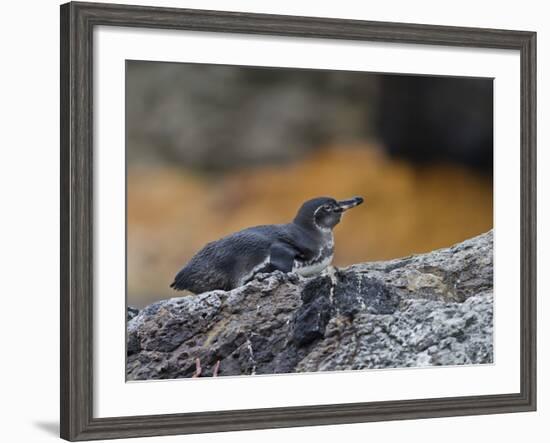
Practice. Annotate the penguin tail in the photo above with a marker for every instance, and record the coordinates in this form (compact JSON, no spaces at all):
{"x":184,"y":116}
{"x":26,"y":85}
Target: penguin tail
{"x":179,"y":283}
{"x":177,"y":286}
{"x":174,"y":285}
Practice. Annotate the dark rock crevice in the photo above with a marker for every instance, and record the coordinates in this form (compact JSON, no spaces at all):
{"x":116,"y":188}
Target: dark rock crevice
{"x":430,"y":309}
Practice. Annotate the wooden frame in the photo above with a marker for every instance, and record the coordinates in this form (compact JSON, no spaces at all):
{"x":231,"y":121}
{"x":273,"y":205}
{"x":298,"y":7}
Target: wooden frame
{"x":77,"y":23}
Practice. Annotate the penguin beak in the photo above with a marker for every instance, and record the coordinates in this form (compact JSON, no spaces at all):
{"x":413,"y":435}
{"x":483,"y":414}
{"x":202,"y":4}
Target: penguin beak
{"x":344,"y":205}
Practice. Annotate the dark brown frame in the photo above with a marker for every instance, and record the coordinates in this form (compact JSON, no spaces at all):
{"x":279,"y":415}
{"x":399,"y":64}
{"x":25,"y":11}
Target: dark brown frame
{"x":77,"y":24}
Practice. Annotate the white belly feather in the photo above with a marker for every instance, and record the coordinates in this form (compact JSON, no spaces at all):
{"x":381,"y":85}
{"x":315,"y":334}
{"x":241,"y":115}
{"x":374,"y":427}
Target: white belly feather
{"x":313,"y":269}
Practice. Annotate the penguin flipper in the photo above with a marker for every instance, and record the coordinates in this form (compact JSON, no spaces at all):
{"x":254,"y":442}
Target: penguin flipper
{"x":282,"y":257}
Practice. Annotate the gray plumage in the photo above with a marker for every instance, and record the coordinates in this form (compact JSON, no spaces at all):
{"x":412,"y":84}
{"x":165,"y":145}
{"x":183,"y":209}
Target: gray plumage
{"x":304,"y":246}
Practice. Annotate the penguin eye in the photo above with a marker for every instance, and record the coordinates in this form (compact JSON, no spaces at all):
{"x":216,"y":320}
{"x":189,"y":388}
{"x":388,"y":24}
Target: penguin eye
{"x":327,"y":208}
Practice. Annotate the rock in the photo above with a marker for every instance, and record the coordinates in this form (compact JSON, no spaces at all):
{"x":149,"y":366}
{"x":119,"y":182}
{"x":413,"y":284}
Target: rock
{"x":131,"y":312}
{"x":430,"y":309}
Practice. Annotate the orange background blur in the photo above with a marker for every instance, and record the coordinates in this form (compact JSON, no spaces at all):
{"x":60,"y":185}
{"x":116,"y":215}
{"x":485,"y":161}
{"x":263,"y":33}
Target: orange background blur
{"x":408,"y":209}
{"x":174,"y":209}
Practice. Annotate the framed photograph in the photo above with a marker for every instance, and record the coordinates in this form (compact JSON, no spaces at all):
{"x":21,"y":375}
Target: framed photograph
{"x":273,"y":221}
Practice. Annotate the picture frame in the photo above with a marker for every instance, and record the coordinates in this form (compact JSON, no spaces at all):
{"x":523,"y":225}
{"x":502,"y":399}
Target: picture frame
{"x":78,"y":21}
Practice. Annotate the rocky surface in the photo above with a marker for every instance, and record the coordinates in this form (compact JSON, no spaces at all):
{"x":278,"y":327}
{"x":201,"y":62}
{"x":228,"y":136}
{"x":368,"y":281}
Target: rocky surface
{"x":430,"y":309}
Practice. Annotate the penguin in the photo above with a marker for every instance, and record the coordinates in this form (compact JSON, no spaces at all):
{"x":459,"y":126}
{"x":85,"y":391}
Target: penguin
{"x":305,"y":247}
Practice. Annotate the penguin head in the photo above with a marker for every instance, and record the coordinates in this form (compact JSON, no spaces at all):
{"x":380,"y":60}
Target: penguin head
{"x":324,"y":213}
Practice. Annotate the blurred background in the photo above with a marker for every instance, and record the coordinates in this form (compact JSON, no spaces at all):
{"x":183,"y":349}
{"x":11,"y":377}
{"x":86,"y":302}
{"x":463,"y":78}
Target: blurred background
{"x":214,"y":149}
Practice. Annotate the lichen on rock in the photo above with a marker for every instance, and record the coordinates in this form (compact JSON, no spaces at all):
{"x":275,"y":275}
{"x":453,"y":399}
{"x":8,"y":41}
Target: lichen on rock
{"x":429,"y":309}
